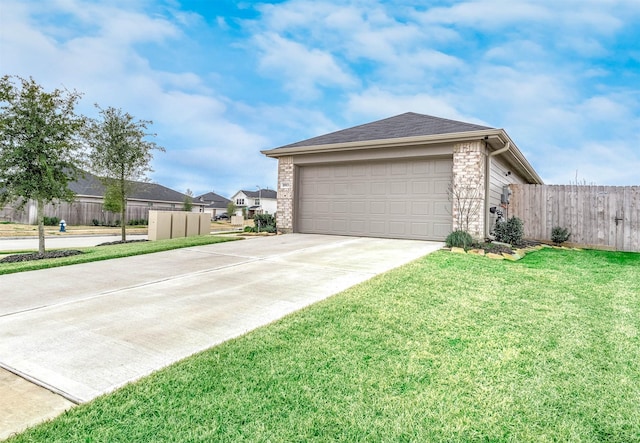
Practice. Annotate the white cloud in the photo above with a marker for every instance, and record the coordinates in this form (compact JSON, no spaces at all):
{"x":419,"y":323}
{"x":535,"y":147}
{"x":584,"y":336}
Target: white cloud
{"x":375,"y":103}
{"x":302,"y":69}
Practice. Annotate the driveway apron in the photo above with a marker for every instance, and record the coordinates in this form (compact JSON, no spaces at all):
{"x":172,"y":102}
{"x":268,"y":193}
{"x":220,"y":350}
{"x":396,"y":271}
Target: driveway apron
{"x":82,"y":331}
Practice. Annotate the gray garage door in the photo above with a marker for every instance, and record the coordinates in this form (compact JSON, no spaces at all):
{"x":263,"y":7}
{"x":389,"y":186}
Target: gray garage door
{"x":397,"y":199}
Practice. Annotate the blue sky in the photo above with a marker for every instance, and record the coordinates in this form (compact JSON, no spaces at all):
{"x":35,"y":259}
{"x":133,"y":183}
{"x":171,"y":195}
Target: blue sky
{"x":224,"y":79}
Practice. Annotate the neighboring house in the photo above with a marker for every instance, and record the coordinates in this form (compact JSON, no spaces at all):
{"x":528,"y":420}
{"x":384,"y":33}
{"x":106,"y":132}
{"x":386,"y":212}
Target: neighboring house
{"x":263,"y":201}
{"x":409,"y":176}
{"x":214,"y":204}
{"x":88,"y":205}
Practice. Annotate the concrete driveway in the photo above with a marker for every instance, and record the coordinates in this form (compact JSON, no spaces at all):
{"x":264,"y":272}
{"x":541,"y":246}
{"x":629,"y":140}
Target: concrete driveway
{"x":84,"y":330}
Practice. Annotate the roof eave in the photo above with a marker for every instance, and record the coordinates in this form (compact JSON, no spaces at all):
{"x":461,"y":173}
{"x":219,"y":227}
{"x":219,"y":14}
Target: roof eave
{"x":381,"y":143}
{"x":534,"y":178}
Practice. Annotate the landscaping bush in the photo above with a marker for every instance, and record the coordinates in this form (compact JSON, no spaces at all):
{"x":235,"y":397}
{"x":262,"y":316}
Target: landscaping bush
{"x":248,"y":229}
{"x":51,"y":221}
{"x":265,"y":222}
{"x":510,"y":231}
{"x":560,"y":235}
{"x":95,"y":222}
{"x":459,"y":239}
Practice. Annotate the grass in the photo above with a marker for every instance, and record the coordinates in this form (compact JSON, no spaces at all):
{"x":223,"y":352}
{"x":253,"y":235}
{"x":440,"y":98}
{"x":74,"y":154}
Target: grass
{"x":450,"y":348}
{"x":107,"y":252}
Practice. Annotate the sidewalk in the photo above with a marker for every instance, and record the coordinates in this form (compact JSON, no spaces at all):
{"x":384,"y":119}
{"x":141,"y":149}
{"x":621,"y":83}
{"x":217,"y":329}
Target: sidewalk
{"x":57,"y":242}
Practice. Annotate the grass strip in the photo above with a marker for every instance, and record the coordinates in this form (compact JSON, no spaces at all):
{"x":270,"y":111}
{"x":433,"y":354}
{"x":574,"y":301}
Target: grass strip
{"x":449,"y":348}
{"x":107,"y":252}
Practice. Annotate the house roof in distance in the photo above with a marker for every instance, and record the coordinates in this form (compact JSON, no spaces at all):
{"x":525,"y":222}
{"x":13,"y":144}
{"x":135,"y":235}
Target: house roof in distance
{"x":263,"y":193}
{"x":213,"y":200}
{"x":90,"y":185}
{"x":409,"y":124}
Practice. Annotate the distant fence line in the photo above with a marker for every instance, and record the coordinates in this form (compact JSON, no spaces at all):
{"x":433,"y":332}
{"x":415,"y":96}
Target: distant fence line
{"x":605,"y":217}
{"x":79,"y":213}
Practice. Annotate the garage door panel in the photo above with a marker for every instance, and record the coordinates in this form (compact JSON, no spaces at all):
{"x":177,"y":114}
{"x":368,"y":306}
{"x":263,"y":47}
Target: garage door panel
{"x":378,"y":207}
{"x":420,"y":229}
{"x":441,"y":187}
{"x":323,"y":189}
{"x":339,"y":225}
{"x":398,"y":208}
{"x":441,"y":230}
{"x":358,"y":208}
{"x":360,"y":189}
{"x":443,"y":167}
{"x":378,"y":188}
{"x":341,"y":189}
{"x":377,"y":227}
{"x":398,"y":188}
{"x":340,"y":207}
{"x":397,"y":228}
{"x":399,"y":168}
{"x":420,"y":208}
{"x":442,"y":209}
{"x":421,"y":187}
{"x":357,"y":226}
{"x":401,"y":199}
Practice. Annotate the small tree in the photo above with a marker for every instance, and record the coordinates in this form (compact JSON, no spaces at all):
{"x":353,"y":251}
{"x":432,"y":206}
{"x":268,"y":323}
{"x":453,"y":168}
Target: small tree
{"x":39,"y":145}
{"x":188,"y":201}
{"x":119,"y":153}
{"x":467,"y":204}
{"x":231,"y":209}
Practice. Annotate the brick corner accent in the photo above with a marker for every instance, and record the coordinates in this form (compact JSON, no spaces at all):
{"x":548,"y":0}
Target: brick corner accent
{"x":468,"y":187}
{"x":286,"y":193}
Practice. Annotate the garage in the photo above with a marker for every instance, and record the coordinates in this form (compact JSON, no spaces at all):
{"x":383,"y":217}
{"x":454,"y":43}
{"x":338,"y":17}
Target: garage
{"x":391,"y":178}
{"x":394,"y":199}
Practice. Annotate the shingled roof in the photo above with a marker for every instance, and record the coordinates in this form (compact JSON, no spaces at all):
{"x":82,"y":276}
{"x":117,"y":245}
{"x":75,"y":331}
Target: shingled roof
{"x":263,"y":193}
{"x":408,"y":124}
{"x":213,"y":200}
{"x":90,"y":185}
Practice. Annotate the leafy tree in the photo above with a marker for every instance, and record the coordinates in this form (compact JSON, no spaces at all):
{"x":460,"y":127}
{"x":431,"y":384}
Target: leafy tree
{"x":39,"y":145}
{"x":119,"y":153}
{"x":231,"y":209}
{"x":112,"y":198}
{"x":188,"y":200}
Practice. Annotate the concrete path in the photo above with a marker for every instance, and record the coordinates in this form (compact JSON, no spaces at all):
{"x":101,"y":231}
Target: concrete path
{"x":84,"y":330}
{"x":62,"y":241}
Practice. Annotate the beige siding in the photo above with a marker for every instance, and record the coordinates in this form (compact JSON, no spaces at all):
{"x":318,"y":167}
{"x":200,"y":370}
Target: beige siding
{"x":500,"y":177}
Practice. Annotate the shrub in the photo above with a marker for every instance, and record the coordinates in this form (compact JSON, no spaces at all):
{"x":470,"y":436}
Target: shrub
{"x":95,"y":222}
{"x":560,"y":235}
{"x":51,"y":221}
{"x":510,"y":231}
{"x":459,"y":239}
{"x":265,"y":222}
{"x":248,"y":229}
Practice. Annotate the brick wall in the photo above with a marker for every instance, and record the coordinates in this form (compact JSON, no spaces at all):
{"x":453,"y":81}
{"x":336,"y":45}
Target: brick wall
{"x":284,"y":217}
{"x":468,"y":188}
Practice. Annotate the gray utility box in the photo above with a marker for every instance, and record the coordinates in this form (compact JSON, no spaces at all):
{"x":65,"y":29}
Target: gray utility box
{"x":176,"y":224}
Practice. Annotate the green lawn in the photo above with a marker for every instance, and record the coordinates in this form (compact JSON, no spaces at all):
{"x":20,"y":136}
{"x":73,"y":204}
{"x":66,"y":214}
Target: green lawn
{"x":107,"y":252}
{"x":450,"y":348}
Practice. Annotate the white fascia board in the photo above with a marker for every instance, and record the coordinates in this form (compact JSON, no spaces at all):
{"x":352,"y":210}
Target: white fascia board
{"x":383,"y":143}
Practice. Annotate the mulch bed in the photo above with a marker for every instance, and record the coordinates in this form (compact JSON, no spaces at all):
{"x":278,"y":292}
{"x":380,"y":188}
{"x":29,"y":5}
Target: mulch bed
{"x":499,"y":249}
{"x":35,"y":256}
{"x":16,"y":258}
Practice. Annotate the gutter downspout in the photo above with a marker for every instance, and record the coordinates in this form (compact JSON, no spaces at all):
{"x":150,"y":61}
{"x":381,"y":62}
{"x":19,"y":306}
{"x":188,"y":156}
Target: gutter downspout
{"x":487,"y":183}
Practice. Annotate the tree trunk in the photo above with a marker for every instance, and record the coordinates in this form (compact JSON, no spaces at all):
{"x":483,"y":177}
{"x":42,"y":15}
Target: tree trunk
{"x":40,"y":227}
{"x":123,"y":221}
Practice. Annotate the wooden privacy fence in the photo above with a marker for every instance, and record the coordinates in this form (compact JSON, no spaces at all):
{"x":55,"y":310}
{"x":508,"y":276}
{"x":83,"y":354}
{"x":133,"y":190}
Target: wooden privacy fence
{"x":604,"y":217}
{"x":78,"y":213}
